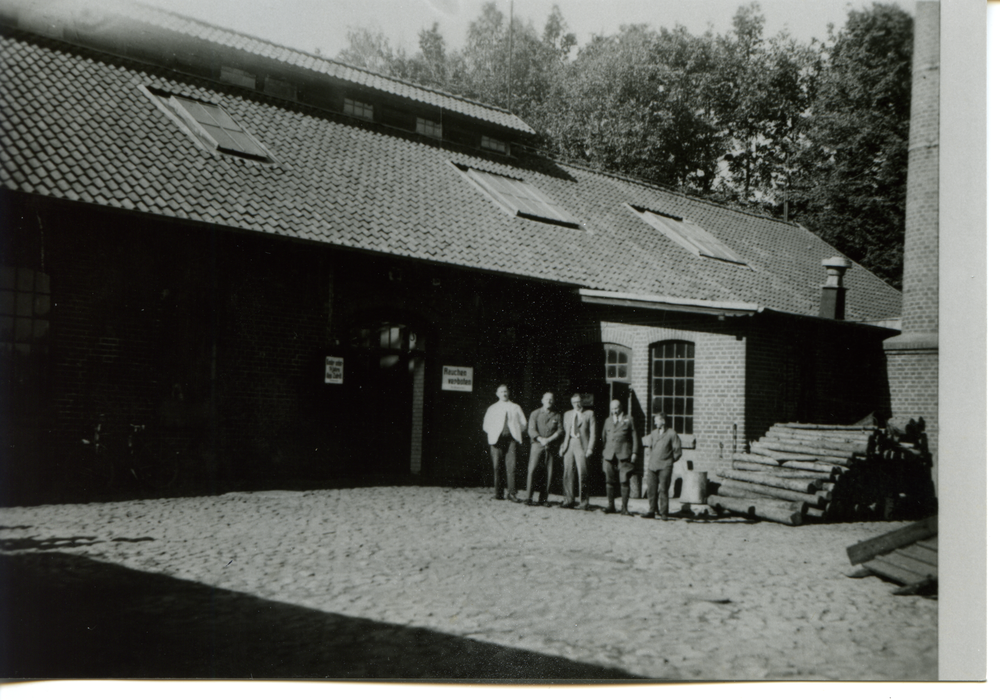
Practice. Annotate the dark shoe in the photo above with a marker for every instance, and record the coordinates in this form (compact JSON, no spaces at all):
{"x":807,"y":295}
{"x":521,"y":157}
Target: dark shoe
{"x":609,"y":510}
{"x":514,"y":499}
{"x":648,"y":515}
{"x":567,"y":505}
{"x":531,"y":503}
{"x":626,"y":511}
{"x":664,"y":518}
{"x":498,"y":498}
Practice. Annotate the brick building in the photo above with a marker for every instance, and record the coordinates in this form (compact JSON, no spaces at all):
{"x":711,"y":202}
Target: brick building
{"x":286,"y":266}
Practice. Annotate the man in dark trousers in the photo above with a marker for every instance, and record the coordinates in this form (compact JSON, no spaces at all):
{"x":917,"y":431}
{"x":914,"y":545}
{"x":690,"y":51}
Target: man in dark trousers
{"x":621,"y":449}
{"x":664,"y":449}
{"x":545,"y":431}
{"x":578,"y":445}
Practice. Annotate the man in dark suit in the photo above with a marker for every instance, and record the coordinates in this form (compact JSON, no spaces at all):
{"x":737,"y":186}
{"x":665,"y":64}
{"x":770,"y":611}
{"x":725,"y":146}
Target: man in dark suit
{"x":544,"y":429}
{"x":664,"y":449}
{"x":577,"y":447}
{"x":621,"y":449}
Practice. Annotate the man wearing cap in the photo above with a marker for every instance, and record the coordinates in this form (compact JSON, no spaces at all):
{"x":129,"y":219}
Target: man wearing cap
{"x":504,"y":425}
{"x":664,"y":449}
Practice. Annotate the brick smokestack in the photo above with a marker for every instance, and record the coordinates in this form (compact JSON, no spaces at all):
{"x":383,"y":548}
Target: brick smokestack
{"x":912,"y":357}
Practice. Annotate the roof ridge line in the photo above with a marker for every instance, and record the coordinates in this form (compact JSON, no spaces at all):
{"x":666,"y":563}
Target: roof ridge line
{"x":318,"y":57}
{"x":663,"y":188}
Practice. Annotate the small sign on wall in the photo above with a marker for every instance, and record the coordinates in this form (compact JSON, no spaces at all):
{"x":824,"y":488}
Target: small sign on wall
{"x":456,"y":378}
{"x":334,"y":370}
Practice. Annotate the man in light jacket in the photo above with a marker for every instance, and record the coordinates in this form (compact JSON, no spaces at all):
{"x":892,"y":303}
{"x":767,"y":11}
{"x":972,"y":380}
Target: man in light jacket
{"x":504,"y":425}
{"x":578,"y":445}
{"x":664,"y":449}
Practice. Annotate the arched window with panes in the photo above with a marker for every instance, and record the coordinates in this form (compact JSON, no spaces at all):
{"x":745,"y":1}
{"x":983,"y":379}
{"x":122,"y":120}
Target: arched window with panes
{"x":671,"y":383}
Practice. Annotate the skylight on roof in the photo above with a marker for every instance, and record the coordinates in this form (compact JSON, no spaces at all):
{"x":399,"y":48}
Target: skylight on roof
{"x":689,"y":235}
{"x":519,"y":198}
{"x":211,"y":126}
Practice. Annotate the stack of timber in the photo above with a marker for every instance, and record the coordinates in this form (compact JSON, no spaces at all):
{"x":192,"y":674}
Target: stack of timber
{"x":803,"y":472}
{"x":907,"y":556}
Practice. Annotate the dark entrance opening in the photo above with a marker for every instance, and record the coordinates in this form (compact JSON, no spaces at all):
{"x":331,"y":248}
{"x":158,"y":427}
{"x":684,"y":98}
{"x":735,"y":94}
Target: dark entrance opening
{"x":372,"y":410}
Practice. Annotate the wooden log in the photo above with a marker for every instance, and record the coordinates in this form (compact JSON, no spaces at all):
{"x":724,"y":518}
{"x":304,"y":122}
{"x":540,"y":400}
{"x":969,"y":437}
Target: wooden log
{"x":774,"y":492}
{"x":871,"y":548}
{"x":845,"y":450}
{"x":796,"y":457}
{"x":778,"y":515}
{"x":784,"y":473}
{"x":811,"y":486}
{"x":818,"y":467}
{"x":835,"y":428}
{"x":815,"y":513}
{"x":804,"y":448}
{"x":786,"y":452}
{"x":733,"y":504}
{"x":831,"y":442}
{"x":759,"y":459}
{"x":732,"y":491}
{"x":757,"y":510}
{"x":836,"y":436}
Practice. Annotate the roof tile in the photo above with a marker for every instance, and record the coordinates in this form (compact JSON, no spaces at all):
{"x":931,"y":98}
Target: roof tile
{"x":355,"y":185}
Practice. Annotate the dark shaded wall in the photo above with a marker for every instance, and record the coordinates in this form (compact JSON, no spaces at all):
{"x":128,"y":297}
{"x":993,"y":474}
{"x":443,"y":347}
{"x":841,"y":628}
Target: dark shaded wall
{"x":812,"y":371}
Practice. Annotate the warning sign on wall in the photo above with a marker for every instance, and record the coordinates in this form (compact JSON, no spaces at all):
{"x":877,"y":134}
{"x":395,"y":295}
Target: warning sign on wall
{"x":456,"y":378}
{"x":334,"y":370}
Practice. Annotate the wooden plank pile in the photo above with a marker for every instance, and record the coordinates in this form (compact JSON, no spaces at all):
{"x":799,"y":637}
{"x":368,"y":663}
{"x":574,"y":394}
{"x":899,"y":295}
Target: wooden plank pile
{"x":801,"y":472}
{"x":907,"y":556}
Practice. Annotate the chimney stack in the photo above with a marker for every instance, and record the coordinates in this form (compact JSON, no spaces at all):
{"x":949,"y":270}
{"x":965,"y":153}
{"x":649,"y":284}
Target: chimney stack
{"x":832,"y":297}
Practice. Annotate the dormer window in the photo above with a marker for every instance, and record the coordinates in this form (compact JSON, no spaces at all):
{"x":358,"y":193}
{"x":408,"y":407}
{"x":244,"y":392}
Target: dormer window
{"x":518,"y":198}
{"x":361,"y":110}
{"x":492,"y":144}
{"x":689,"y":236}
{"x":211,"y":126}
{"x":428,"y":127}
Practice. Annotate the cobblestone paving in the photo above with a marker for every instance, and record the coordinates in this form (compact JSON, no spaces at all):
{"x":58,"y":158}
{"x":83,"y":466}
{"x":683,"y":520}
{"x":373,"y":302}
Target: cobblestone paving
{"x":685,"y":599}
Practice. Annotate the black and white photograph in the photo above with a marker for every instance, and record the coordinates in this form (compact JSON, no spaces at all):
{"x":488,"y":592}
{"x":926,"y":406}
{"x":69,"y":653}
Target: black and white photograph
{"x":491,"y":342}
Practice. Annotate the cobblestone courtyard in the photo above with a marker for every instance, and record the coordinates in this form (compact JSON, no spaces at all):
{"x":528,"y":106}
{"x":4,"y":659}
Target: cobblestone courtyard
{"x":408,"y":582}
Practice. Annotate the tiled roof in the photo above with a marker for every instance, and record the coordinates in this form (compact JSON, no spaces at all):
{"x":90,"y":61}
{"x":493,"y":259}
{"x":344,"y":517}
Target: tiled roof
{"x":75,"y":125}
{"x":170,"y":23}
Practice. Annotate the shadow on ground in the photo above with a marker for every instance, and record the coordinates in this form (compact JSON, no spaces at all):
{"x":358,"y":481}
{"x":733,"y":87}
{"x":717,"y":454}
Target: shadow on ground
{"x":67,"y":616}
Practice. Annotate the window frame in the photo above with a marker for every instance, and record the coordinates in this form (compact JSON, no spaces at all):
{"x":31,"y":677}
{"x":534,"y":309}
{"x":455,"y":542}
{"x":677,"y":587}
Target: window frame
{"x":170,"y":104}
{"x":689,"y":236}
{"x":436,"y":130}
{"x":684,"y":419}
{"x":30,"y":304}
{"x":367,"y":109}
{"x":519,"y":198}
{"x":489,"y":143}
{"x":622,"y":350}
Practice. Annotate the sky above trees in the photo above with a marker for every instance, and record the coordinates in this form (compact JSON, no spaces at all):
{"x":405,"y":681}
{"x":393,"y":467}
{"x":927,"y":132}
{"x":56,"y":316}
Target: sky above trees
{"x":310,"y":24}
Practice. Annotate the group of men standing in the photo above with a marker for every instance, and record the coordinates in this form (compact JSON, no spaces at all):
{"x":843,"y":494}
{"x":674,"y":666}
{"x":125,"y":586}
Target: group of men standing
{"x":572,"y":436}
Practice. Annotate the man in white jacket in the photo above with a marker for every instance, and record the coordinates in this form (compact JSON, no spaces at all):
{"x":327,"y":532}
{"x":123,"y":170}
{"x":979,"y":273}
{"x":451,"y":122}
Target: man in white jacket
{"x":504,"y":426}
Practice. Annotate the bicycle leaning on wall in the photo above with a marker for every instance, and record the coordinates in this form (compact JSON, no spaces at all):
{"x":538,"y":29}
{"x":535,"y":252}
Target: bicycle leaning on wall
{"x":104,"y":461}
